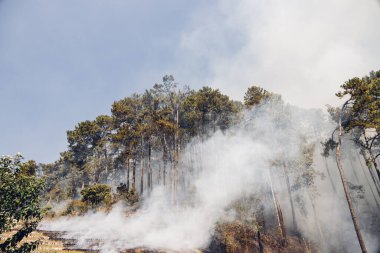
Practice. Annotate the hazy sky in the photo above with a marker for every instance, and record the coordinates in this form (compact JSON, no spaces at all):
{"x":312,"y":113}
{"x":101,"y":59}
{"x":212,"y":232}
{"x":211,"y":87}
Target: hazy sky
{"x":65,"y":61}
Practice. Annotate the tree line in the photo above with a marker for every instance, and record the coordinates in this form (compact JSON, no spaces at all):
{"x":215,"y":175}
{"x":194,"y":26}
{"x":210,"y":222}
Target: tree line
{"x":138,"y":146}
{"x":142,"y":128}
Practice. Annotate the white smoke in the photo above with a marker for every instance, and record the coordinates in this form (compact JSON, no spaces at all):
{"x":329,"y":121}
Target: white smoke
{"x":233,"y":163}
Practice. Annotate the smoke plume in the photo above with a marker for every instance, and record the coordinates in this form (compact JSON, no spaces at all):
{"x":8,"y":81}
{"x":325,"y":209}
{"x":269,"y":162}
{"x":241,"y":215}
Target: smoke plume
{"x":227,"y":166}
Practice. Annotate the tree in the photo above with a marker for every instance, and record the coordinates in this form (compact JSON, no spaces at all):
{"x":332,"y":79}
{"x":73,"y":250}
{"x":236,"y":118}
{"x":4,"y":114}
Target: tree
{"x":126,"y":117}
{"x":19,"y":202}
{"x":255,"y":95}
{"x":104,"y":122}
{"x":208,"y":109}
{"x":82,"y":142}
{"x":362,"y":115}
{"x":347,"y":190}
{"x":358,"y":115}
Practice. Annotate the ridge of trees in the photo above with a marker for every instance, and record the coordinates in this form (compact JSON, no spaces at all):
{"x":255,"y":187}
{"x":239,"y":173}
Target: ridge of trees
{"x":139,"y":146}
{"x":157,"y":123}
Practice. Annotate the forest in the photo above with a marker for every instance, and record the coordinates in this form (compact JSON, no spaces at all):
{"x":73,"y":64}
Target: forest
{"x":175,"y":169}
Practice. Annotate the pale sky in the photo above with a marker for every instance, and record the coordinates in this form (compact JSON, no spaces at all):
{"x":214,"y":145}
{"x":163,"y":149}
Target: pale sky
{"x":66,"y":61}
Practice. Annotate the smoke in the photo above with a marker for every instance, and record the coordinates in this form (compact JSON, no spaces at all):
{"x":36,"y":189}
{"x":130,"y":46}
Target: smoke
{"x":228,"y":166}
{"x":289,"y":47}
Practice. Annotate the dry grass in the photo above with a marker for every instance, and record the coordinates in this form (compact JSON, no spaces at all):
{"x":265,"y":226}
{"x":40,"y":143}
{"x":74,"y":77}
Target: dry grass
{"x":49,"y":245}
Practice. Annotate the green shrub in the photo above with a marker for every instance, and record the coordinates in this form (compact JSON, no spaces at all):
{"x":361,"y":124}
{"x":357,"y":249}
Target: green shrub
{"x":76,"y":207}
{"x":97,"y":194}
{"x":19,"y":203}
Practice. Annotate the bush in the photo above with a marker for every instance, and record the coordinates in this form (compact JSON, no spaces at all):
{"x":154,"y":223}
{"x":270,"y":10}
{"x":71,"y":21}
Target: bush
{"x":76,"y":207}
{"x":19,"y":203}
{"x":131,"y":196}
{"x":97,"y":194}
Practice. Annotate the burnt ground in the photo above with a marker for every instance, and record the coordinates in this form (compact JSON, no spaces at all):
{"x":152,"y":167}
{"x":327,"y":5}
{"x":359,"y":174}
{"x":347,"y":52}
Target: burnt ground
{"x":54,"y":242}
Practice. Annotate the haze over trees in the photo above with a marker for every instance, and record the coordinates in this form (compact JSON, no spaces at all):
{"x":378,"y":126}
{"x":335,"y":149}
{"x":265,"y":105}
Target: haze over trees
{"x":155,"y":139}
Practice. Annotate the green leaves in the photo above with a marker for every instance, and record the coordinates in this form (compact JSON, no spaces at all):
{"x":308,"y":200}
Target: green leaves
{"x":207,"y":108}
{"x":363,"y":103}
{"x":19,"y":201}
{"x":97,"y":194}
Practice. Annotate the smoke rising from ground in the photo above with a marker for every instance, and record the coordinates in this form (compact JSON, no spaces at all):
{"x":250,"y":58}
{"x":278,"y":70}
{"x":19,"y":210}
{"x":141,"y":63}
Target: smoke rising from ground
{"x":228,"y":166}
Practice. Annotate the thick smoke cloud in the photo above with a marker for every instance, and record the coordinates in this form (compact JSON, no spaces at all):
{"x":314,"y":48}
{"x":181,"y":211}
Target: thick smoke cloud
{"x":301,"y":49}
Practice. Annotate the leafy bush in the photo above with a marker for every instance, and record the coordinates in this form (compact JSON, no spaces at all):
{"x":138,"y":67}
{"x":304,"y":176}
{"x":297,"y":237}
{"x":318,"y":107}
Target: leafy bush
{"x":19,"y":203}
{"x":97,"y":194}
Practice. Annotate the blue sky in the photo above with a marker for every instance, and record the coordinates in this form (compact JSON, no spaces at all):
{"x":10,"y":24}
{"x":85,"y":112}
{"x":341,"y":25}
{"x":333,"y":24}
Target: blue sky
{"x":65,"y":61}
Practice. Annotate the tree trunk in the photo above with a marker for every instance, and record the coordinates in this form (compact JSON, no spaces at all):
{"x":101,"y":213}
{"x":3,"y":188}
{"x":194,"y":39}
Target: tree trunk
{"x":106,"y":160}
{"x":142,"y":167}
{"x":295,"y":227}
{"x":176,"y":158}
{"x":128,"y":174}
{"x":329,"y":175}
{"x":373,"y":160}
{"x":150,"y":179}
{"x":261,"y":245}
{"x":347,"y":192}
{"x":159,"y":174}
{"x":142,"y":176}
{"x":165,"y":160}
{"x":373,"y":176}
{"x":353,"y":168}
{"x":280,"y":218}
{"x":134,"y":174}
{"x":368,"y":182}
{"x":316,"y":220}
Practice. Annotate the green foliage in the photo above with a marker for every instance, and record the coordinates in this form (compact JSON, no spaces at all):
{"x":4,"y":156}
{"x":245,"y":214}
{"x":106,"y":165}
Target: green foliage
{"x":363,"y":102}
{"x":360,"y":115}
{"x":153,"y":125}
{"x":256,"y":95}
{"x":19,"y":202}
{"x":97,"y":194}
{"x":208,"y":108}
{"x":82,"y":140}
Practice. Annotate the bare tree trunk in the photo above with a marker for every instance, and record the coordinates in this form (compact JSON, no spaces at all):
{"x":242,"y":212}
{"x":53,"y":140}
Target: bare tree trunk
{"x":106,"y":159}
{"x":261,"y":245}
{"x":329,"y":175}
{"x":128,"y":168}
{"x":284,"y":167}
{"x":176,"y":158}
{"x":142,"y":176}
{"x":159,"y":174}
{"x":373,"y":160}
{"x":150,"y":181}
{"x":280,"y":218}
{"x":353,"y":168}
{"x":134,"y":174}
{"x":142,"y":166}
{"x":373,"y":176}
{"x":347,"y":192}
{"x":165,"y":160}
{"x":368,"y":182}
{"x":316,"y":220}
